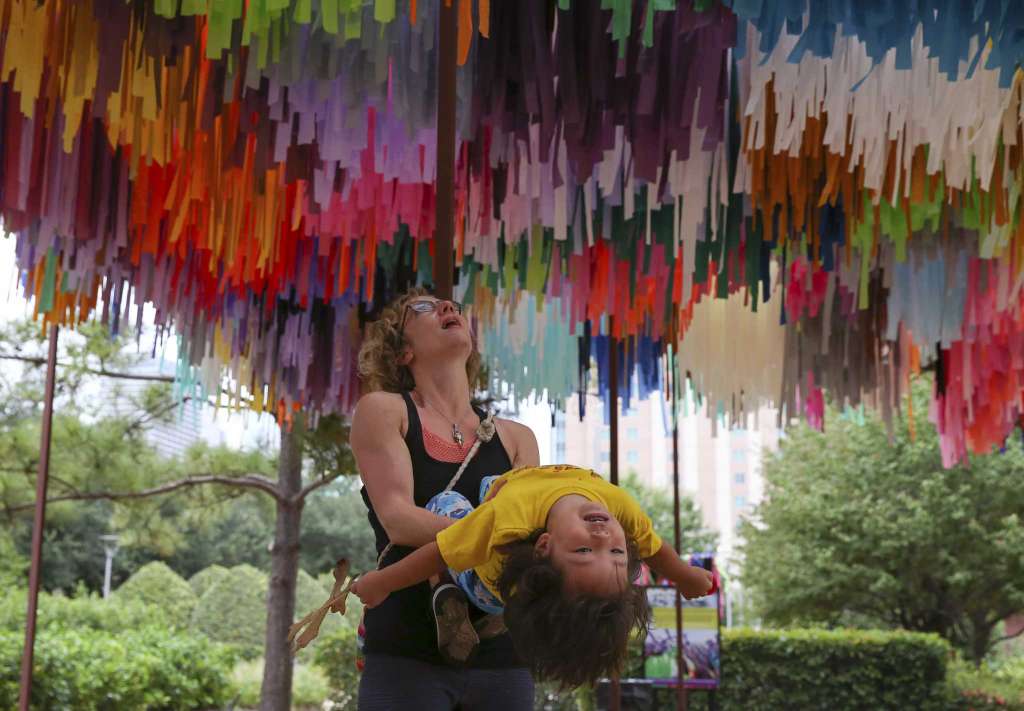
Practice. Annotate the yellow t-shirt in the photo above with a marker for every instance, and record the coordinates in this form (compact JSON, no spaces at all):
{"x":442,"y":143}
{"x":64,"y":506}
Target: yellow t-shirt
{"x":521,"y":507}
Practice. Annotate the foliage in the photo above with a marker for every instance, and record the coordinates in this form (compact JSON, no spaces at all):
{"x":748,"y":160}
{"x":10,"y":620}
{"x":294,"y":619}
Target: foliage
{"x":95,"y":670}
{"x":990,"y":686}
{"x":101,"y":445}
{"x":205,"y":578}
{"x":335,"y":653}
{"x":83,"y":611}
{"x":156,"y":584}
{"x":234,"y":610}
{"x":309,"y":593}
{"x":235,"y":531}
{"x":833,"y":670}
{"x":309,"y":685}
{"x":657,"y":503}
{"x":13,"y":565}
{"x":860,"y":529}
{"x":334,"y":525}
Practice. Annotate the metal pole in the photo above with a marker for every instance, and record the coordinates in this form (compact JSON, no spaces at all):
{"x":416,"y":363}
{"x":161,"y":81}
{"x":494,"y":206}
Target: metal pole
{"x":110,"y":549}
{"x":681,"y":700}
{"x":614,"y":692}
{"x":444,"y":230}
{"x":35,"y":571}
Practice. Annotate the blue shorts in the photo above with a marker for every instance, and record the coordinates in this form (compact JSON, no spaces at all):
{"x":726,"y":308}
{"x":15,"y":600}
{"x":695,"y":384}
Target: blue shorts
{"x":453,"y":505}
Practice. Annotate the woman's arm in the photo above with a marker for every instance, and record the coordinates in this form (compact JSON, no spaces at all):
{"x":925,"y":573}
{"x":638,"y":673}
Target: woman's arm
{"x":373,"y":587}
{"x":689,"y":580}
{"x":526,"y":453}
{"x":386,"y":469}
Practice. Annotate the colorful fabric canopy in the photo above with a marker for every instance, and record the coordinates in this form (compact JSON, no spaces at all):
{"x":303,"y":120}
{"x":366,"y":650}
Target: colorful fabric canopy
{"x":808,"y":197}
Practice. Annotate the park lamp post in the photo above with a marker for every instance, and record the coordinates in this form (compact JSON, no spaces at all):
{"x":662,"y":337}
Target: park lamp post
{"x":110,"y":542}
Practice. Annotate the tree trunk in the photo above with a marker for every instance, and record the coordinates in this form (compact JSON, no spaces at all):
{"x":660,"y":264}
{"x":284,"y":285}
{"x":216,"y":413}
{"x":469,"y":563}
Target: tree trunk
{"x":276,"y":692}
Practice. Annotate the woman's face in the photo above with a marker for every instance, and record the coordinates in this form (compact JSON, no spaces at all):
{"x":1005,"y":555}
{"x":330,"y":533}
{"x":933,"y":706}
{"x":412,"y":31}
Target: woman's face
{"x":434,"y":329}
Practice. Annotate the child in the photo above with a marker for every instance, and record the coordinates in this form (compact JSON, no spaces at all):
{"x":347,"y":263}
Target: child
{"x":555,"y":549}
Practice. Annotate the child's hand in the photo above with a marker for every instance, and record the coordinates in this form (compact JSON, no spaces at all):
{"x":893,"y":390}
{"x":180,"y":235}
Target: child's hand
{"x":369,"y":588}
{"x":495,"y":488}
{"x":698,"y":583}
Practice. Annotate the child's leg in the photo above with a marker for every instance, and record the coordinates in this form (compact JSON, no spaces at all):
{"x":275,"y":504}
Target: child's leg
{"x":456,"y":637}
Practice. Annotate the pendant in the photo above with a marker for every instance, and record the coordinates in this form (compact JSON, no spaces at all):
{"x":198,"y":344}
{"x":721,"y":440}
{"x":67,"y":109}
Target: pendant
{"x":457,"y":435}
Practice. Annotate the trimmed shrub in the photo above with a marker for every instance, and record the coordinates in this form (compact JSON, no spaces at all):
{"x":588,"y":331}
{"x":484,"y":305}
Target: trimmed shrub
{"x":205,"y":578}
{"x":234,"y":610}
{"x":156,"y":584}
{"x":94,"y":670}
{"x":844,"y":669}
{"x":831,"y":670}
{"x":334,"y":651}
{"x":990,"y":687}
{"x":309,"y":593}
{"x":87,"y":610}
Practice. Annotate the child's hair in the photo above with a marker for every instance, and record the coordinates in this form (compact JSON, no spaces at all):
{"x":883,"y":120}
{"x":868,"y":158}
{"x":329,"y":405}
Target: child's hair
{"x":572,"y":640}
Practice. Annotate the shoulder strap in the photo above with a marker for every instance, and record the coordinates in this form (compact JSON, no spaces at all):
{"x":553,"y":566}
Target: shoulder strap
{"x":484,"y":432}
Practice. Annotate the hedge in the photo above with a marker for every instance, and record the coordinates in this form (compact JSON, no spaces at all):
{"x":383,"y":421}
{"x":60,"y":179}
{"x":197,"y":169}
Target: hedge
{"x":334,"y":651}
{"x":156,"y":584}
{"x":833,"y":670}
{"x":205,"y":578}
{"x":233,"y":610}
{"x":86,"y":610}
{"x":93,"y":670}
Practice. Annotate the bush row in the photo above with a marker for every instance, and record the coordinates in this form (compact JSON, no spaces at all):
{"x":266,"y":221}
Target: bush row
{"x":131,"y":670}
{"x":848,"y":670}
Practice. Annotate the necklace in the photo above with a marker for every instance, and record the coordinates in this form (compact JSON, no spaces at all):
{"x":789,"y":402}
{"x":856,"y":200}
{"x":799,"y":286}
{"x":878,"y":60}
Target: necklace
{"x":456,"y":431}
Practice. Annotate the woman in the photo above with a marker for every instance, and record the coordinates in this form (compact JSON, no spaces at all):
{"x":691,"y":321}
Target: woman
{"x":409,"y":435}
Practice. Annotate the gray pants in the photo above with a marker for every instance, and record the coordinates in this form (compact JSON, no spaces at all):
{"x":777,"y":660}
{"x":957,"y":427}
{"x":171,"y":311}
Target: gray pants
{"x":397,"y":683}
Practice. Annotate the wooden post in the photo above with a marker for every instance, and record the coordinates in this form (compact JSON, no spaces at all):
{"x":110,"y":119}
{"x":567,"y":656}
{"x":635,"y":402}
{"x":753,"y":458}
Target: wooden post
{"x":444,"y":230}
{"x":39,"y":521}
{"x":681,"y":700}
{"x":614,"y":692}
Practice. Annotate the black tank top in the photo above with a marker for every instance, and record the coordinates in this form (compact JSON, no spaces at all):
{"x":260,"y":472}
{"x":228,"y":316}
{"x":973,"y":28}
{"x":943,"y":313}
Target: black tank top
{"x":403,"y":624}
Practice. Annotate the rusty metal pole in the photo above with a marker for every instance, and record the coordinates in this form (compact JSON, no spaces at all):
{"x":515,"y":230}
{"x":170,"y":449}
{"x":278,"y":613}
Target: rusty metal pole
{"x":681,"y":700}
{"x":444,"y":230}
{"x":35,"y":571}
{"x":614,"y":692}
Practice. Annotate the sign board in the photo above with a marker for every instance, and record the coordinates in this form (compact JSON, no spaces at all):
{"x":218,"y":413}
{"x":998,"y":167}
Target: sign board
{"x":701,"y":635}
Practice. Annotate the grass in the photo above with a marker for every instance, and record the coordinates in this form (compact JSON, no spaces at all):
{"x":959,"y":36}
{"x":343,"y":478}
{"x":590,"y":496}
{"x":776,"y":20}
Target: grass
{"x":309,"y":685}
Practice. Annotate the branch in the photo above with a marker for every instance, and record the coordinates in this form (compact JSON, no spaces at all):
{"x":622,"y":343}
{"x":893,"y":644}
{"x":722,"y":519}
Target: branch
{"x":249,"y":481}
{"x":103,"y":372}
{"x":310,"y":488}
{"x":1007,"y":637}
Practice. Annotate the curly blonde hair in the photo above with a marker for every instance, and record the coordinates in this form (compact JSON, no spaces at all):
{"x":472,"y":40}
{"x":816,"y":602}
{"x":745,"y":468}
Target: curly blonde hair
{"x":381,"y":350}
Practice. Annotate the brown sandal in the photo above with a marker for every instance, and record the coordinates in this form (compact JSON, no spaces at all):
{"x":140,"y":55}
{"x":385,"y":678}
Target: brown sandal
{"x":457,"y":640}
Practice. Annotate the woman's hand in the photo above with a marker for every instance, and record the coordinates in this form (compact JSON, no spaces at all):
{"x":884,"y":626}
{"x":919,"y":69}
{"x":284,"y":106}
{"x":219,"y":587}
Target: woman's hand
{"x":371,"y":588}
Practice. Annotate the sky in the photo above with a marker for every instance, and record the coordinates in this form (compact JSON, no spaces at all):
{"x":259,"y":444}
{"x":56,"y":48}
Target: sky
{"x":221,"y":427}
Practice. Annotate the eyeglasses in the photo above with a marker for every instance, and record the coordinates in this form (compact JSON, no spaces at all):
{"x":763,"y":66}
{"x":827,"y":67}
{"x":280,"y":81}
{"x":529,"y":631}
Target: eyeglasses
{"x":426,"y":306}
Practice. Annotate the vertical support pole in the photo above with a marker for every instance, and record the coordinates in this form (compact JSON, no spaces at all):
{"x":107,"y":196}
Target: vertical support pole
{"x":444,"y":230}
{"x":35,"y":572}
{"x":681,"y":700}
{"x":614,"y":692}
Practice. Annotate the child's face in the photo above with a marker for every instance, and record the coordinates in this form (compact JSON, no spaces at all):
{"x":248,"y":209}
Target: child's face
{"x":588,"y":545}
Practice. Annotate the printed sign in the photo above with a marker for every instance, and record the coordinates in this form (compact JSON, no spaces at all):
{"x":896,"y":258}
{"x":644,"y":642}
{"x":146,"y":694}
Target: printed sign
{"x":701,"y":636}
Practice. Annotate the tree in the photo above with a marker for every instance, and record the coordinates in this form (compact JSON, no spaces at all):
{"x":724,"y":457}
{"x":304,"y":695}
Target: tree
{"x":120,"y":467}
{"x":657,"y":503}
{"x":334,"y":524}
{"x":857,"y":528}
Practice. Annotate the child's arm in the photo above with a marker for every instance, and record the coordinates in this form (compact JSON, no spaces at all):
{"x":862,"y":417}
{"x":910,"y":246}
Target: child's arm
{"x":689,"y":580}
{"x":373,"y":587}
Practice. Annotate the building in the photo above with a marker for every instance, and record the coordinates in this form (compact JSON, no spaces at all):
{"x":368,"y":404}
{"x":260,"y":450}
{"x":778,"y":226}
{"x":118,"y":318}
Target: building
{"x":719,"y":468}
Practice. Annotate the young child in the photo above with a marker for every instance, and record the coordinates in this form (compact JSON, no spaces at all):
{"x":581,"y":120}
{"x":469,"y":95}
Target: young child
{"x":555,"y":549}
